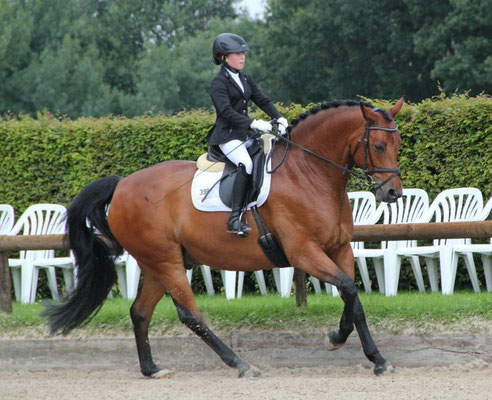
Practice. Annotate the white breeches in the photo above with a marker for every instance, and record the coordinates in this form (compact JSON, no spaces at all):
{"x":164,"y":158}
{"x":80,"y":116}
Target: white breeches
{"x":236,"y":151}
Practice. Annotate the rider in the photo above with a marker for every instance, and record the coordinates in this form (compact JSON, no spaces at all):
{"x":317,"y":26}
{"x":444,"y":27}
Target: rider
{"x":233,"y":130}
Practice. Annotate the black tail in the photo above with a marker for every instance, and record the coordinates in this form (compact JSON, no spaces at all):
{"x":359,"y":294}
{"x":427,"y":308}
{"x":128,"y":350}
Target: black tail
{"x":95,"y":259}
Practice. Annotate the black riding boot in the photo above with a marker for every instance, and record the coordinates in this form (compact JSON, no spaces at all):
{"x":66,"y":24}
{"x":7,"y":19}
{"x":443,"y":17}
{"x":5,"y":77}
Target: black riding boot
{"x":239,"y":189}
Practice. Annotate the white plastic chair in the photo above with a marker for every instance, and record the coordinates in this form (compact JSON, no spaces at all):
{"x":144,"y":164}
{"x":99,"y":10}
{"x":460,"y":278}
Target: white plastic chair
{"x":128,"y":273}
{"x":466,"y":251}
{"x":460,"y":204}
{"x":409,"y":208}
{"x":364,"y":212}
{"x":284,"y":278}
{"x":207,"y":277}
{"x":229,"y":281}
{"x":260,"y":278}
{"x":6,"y":218}
{"x":67,"y":265}
{"x":38,"y":219}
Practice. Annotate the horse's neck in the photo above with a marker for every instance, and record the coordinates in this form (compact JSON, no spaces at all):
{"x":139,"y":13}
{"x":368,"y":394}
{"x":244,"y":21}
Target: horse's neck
{"x":326,"y":134}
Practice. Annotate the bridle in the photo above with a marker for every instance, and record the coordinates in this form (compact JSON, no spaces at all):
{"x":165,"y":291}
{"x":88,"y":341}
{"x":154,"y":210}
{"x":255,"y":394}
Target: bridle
{"x":365,"y":137}
{"x":368,"y":173}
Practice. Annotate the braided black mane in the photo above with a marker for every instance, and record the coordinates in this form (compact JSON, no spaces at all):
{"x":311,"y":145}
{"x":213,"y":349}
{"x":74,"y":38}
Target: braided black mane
{"x":335,"y":104}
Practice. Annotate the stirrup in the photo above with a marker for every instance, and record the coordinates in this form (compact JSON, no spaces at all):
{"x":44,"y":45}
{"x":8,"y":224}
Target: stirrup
{"x":243,"y":229}
{"x":243,"y":232}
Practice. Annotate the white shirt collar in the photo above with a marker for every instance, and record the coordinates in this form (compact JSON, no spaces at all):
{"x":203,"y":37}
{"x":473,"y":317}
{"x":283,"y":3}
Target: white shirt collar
{"x":236,"y":78}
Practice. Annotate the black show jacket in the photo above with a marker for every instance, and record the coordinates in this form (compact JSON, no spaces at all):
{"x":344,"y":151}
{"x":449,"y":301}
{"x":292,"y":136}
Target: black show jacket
{"x":231,"y":106}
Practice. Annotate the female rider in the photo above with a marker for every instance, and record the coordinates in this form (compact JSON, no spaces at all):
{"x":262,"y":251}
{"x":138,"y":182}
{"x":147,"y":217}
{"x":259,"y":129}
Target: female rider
{"x":233,"y":130}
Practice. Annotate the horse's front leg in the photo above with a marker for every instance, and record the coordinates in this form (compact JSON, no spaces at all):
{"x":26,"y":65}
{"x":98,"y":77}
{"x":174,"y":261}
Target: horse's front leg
{"x":315,"y":262}
{"x":337,"y":338}
{"x":353,"y":313}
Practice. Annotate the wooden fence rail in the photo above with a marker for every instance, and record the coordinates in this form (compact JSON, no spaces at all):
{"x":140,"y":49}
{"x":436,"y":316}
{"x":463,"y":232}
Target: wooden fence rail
{"x":447,"y":230}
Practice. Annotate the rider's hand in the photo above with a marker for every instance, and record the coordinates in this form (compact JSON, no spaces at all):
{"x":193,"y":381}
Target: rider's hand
{"x":282,"y":126}
{"x":261,"y":125}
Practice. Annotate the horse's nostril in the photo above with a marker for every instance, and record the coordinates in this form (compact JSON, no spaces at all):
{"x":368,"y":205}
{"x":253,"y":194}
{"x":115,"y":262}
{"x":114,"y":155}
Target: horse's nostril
{"x":393,"y":195}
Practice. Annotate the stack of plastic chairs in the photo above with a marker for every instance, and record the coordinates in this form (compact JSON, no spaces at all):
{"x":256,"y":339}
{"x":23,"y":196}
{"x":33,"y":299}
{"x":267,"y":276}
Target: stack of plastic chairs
{"x":410,"y":208}
{"x":452,"y":205}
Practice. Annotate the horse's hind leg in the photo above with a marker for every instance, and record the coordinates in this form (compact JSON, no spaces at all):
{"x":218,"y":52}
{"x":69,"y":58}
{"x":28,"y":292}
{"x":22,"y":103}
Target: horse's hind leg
{"x":141,"y":314}
{"x":190,"y":315}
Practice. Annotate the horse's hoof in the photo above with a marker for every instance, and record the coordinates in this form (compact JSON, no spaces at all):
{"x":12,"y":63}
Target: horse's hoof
{"x":330,"y":342}
{"x":384,"y":369}
{"x":161,"y":374}
{"x":249,"y":371}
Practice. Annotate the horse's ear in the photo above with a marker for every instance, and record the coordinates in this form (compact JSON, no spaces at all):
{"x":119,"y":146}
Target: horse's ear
{"x":367,"y":113}
{"x":396,"y":108}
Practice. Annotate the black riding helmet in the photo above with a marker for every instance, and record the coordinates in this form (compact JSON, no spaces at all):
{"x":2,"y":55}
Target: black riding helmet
{"x":227,"y":43}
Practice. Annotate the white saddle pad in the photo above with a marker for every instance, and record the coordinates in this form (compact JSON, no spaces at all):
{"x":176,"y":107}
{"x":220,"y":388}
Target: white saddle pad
{"x":204,"y":180}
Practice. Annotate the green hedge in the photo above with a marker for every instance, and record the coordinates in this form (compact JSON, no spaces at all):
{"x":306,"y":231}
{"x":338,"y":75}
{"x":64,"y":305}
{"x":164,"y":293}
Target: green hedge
{"x":447,"y":142}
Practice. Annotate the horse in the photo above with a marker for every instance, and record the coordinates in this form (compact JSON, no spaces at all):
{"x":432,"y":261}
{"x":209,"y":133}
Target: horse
{"x":151,"y":216}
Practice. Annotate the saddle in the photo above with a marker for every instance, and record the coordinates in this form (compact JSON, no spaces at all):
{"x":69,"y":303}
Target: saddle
{"x":215,"y":161}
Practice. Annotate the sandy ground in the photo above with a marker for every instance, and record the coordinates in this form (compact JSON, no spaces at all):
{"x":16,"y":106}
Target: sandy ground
{"x":294,"y":366}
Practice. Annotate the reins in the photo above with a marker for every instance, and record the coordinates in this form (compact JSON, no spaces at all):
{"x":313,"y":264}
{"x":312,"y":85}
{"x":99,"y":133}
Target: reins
{"x":272,"y":171}
{"x":367,"y":176}
{"x":368,"y":173}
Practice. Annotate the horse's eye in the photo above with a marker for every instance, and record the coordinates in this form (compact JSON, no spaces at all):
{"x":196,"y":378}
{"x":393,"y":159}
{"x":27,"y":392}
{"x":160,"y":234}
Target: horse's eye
{"x":379,"y":147}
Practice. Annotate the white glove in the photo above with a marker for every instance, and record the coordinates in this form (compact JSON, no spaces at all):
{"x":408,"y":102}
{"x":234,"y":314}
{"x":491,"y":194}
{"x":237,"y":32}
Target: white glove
{"x":261,"y":125}
{"x":282,"y":126}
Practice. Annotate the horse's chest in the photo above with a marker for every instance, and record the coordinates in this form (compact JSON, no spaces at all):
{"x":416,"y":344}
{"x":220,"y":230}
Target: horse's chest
{"x":334,"y":233}
{"x":335,"y":238}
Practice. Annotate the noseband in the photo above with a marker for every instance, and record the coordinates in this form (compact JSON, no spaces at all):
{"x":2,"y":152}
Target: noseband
{"x":368,"y":173}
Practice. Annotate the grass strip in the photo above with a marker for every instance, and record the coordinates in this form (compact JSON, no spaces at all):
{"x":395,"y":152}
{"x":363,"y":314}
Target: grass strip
{"x":421,"y":311}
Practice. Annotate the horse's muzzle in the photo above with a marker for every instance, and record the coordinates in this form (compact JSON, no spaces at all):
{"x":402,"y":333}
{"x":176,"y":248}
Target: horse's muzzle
{"x":388,"y":195}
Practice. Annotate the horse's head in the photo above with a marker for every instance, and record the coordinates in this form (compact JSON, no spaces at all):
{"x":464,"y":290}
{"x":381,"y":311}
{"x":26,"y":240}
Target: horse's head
{"x":376,"y":151}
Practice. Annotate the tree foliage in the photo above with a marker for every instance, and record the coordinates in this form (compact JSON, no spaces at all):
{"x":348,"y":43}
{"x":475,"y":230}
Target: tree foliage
{"x":377,"y":48}
{"x":128,"y":57}
{"x":458,"y":43}
{"x":83,"y":57}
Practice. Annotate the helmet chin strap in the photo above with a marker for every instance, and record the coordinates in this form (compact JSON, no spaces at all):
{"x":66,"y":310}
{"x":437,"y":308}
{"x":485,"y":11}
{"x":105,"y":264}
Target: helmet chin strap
{"x":225,"y":64}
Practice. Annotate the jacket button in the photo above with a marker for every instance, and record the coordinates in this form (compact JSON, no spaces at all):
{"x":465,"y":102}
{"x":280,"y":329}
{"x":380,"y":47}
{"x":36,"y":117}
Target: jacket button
{"x":244,"y":101}
{"x":244,"y":111}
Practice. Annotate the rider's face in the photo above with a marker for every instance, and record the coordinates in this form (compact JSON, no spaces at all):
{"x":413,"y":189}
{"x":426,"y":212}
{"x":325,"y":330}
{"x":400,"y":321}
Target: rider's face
{"x":236,"y":60}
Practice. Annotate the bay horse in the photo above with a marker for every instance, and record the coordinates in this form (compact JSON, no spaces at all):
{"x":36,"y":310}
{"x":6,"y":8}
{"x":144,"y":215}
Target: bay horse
{"x":307,"y":210}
